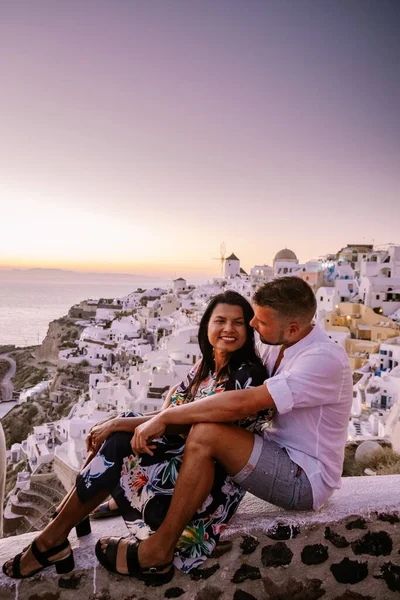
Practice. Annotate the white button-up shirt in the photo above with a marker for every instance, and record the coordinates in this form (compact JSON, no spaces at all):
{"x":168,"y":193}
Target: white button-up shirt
{"x":313,"y":392}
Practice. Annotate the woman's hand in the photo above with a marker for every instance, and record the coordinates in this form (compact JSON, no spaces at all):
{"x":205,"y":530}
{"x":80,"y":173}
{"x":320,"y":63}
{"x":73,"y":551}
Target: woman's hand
{"x":97,"y":434}
{"x":145,"y":433}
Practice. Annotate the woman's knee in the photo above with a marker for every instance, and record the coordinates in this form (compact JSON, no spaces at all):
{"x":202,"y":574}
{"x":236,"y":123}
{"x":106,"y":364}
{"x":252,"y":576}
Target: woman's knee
{"x":118,"y":443}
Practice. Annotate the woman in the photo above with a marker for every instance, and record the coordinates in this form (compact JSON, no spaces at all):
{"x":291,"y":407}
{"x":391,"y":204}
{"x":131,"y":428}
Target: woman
{"x":142,"y":486}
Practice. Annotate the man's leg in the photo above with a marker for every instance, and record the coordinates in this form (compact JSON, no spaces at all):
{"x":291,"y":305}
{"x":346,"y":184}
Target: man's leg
{"x":231,"y":446}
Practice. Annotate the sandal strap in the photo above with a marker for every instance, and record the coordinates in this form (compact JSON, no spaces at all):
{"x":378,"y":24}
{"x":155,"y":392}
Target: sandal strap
{"x":111,"y":551}
{"x":42,"y":557}
{"x":134,"y":567}
{"x":16,"y":566}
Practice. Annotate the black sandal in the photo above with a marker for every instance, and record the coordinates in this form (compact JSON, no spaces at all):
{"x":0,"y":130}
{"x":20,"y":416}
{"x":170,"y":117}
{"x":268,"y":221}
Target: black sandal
{"x":63,"y":565}
{"x":103,"y":511}
{"x":150,"y":575}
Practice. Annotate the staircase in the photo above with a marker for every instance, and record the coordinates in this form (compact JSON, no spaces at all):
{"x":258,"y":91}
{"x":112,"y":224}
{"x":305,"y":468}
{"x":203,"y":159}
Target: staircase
{"x":31,"y":510}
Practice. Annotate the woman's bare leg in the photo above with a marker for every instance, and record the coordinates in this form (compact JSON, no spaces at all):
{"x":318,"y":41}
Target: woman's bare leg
{"x":57,"y":531}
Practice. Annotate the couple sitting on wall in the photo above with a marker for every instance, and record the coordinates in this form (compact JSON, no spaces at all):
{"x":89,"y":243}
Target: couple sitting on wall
{"x":275,"y":426}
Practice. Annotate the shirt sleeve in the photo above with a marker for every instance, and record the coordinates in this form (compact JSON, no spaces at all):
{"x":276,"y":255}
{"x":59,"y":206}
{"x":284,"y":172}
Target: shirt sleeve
{"x":314,"y":380}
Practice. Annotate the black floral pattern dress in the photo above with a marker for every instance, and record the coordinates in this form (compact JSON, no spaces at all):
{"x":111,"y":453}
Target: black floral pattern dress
{"x":146,"y":483}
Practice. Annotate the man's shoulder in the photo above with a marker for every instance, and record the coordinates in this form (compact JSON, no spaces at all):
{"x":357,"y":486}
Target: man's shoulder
{"x":322,"y":345}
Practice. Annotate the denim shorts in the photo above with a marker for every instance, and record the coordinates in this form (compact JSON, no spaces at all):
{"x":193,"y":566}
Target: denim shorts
{"x":271,"y":475}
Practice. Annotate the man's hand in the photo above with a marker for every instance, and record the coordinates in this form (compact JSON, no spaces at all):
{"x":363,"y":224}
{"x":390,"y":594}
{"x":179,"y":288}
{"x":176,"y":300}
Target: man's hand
{"x":145,"y":433}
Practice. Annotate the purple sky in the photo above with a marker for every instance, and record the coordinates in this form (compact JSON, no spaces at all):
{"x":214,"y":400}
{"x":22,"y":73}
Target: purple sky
{"x":138,"y":135}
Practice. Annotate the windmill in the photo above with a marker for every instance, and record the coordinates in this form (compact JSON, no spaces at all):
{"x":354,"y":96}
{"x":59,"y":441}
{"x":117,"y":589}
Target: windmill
{"x":222,"y":258}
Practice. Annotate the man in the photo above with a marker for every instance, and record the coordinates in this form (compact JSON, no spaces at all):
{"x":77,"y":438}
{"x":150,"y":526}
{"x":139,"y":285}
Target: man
{"x":297,"y":463}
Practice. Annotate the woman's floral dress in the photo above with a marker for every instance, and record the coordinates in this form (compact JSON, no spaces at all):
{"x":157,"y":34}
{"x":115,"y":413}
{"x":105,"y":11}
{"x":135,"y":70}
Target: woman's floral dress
{"x":148,"y":482}
{"x":142,"y":485}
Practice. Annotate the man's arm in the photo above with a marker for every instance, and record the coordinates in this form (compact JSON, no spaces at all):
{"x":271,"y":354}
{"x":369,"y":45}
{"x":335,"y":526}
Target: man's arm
{"x":224,"y":407}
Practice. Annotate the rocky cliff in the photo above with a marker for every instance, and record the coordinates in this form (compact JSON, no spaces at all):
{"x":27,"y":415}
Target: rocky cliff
{"x":61,"y":334}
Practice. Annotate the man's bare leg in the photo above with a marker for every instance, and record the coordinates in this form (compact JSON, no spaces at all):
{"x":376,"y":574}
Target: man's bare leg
{"x":231,"y":446}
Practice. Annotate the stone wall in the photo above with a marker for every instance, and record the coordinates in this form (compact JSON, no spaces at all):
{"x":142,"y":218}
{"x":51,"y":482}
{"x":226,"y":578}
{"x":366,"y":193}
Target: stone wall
{"x":347,"y":551}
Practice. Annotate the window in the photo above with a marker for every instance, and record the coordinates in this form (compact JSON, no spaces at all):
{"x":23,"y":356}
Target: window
{"x":377,"y":296}
{"x":84,"y":431}
{"x":145,"y":407}
{"x":321,"y":298}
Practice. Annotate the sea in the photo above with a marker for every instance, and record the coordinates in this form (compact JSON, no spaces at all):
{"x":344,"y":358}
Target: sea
{"x":30,"y":299}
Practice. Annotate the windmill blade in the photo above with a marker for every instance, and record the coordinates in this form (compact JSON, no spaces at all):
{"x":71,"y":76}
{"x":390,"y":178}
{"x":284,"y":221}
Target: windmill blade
{"x":223,"y":250}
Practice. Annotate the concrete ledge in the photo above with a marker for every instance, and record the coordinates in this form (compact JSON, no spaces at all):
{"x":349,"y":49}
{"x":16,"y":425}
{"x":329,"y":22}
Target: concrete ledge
{"x":358,"y":496}
{"x":267,"y":554}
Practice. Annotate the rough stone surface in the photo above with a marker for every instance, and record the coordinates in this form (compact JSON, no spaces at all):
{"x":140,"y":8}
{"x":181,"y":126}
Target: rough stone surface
{"x":174,"y":592}
{"x":339,"y":541}
{"x":376,"y":544}
{"x":314,"y":554}
{"x":390,"y":573}
{"x":349,"y":595}
{"x":389,"y":517}
{"x":246,"y":572}
{"x":249,"y":544}
{"x":276,"y":555}
{"x":283,"y":532}
{"x":350,"y":571}
{"x":241,"y":595}
{"x":70,"y":582}
{"x":204,"y":573}
{"x":221,"y":548}
{"x":209,"y":593}
{"x":293,"y":589}
{"x":357,"y":524}
{"x":45,"y":596}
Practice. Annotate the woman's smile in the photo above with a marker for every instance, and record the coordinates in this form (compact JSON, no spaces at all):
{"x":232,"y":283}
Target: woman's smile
{"x":226,"y":331}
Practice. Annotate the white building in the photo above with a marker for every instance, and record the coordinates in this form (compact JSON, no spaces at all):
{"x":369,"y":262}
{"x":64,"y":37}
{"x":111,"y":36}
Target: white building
{"x":34,"y":392}
{"x":40,"y":445}
{"x":232,"y":266}
{"x":179,"y":285}
{"x":260,"y":274}
{"x":327,"y":300}
{"x":285,"y":263}
{"x":389,"y":354}
{"x":380,"y":280}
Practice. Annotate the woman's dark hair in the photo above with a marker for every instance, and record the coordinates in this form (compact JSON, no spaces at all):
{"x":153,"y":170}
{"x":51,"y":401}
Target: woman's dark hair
{"x":246,"y":354}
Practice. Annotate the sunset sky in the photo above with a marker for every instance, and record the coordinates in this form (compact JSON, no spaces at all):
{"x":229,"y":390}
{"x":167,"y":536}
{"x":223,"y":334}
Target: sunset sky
{"x":136,"y":136}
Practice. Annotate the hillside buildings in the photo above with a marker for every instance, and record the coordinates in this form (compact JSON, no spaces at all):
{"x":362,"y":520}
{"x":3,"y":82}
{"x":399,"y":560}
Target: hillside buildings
{"x":141,"y":345}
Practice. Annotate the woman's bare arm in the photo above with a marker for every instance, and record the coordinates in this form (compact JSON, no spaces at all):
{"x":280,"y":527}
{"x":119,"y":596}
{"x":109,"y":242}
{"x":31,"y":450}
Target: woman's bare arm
{"x":167,"y":401}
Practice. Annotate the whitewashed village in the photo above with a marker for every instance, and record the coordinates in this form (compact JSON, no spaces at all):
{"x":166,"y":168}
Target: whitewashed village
{"x":140,"y":345}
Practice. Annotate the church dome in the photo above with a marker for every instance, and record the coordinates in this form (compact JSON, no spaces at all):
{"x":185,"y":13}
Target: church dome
{"x":286,"y":255}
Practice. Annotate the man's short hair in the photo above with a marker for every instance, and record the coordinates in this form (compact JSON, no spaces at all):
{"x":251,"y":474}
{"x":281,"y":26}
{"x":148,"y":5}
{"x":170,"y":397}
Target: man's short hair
{"x":291,"y":297}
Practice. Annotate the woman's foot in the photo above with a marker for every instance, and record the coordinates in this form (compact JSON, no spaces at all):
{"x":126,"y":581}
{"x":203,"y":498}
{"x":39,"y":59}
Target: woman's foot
{"x":28,"y":564}
{"x":107,"y":509}
{"x":149,"y":555}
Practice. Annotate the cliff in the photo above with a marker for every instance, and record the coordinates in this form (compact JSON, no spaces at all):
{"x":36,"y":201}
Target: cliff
{"x":61,"y":334}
